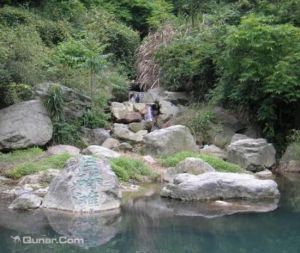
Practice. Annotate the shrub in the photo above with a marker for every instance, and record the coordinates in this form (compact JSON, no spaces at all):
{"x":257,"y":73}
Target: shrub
{"x":201,"y":120}
{"x":119,"y":84}
{"x":188,"y":64}
{"x":127,"y":168}
{"x":52,"y":33}
{"x":218,"y":164}
{"x":94,"y":118}
{"x":120,"y":39}
{"x":66,"y":133}
{"x":142,"y":15}
{"x":11,"y":16}
{"x":14,"y":93}
{"x":260,"y":72}
{"x":23,"y":57}
{"x":70,"y":10}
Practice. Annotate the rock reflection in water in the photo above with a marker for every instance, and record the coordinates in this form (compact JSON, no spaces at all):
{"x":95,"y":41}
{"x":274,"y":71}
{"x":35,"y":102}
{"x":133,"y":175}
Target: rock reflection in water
{"x":156,"y":207}
{"x":29,"y":222}
{"x":289,"y":185}
{"x":150,"y":220}
{"x":95,"y":229}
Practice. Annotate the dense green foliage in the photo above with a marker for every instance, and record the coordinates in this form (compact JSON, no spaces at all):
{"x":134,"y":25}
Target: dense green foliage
{"x":261,"y":71}
{"x":85,"y":48}
{"x":218,"y":164}
{"x":127,"y":168}
{"x":242,"y":54}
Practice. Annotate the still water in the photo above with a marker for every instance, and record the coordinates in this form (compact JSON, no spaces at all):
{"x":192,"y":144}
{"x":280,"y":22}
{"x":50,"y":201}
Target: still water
{"x":151,"y":225}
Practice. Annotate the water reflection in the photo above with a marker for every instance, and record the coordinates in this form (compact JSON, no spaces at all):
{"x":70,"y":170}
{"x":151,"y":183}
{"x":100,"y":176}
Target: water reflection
{"x":154,"y":225}
{"x":95,"y":229}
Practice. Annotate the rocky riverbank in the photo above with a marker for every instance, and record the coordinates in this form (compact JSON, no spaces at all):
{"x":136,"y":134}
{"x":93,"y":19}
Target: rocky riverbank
{"x":145,"y":144}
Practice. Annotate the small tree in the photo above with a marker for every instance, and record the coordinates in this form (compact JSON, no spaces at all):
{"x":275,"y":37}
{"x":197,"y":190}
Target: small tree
{"x":95,"y":61}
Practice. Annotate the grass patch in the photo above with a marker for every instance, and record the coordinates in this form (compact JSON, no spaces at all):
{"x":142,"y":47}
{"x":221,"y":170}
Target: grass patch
{"x":217,"y":163}
{"x":28,"y":168}
{"x":20,"y":155}
{"x":127,"y":168}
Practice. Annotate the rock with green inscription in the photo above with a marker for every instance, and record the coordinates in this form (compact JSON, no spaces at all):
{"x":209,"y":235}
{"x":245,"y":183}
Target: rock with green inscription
{"x":87,"y":184}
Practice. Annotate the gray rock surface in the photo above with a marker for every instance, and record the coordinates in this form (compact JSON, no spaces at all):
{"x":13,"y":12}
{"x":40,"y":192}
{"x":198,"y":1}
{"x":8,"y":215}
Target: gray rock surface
{"x":94,"y":136}
{"x":111,"y":143}
{"x":264,"y":174}
{"x":121,"y":131}
{"x":189,"y":165}
{"x":24,"y":124}
{"x":26,"y":201}
{"x":125,"y":146}
{"x":252,"y":154}
{"x":214,"y":151}
{"x":119,"y":110}
{"x":218,"y":185}
{"x":169,"y":141}
{"x":137,"y":126}
{"x":167,"y":112}
{"x":152,"y":95}
{"x":238,"y":137}
{"x":176,"y":97}
{"x":86,"y":184}
{"x":100,"y":152}
{"x":60,"y":149}
{"x":290,"y":161}
{"x":42,"y":177}
{"x":131,"y":117}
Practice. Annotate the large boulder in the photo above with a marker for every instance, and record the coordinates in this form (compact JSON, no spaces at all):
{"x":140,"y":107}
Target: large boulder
{"x":252,"y":154}
{"x":169,"y":141}
{"x":176,"y":97}
{"x":158,"y":94}
{"x":95,"y":136}
{"x":194,"y":166}
{"x":86,"y":184}
{"x":26,"y":201}
{"x":100,"y":152}
{"x":75,"y":103}
{"x":111,"y":143}
{"x":24,"y":124}
{"x":189,"y":165}
{"x":290,"y":161}
{"x":167,"y":111}
{"x":137,"y":126}
{"x":224,"y":126}
{"x":214,"y":151}
{"x":218,"y":185}
{"x":151,"y":96}
{"x":121,"y":131}
{"x":131,"y":117}
{"x":127,"y":112}
{"x":119,"y":110}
